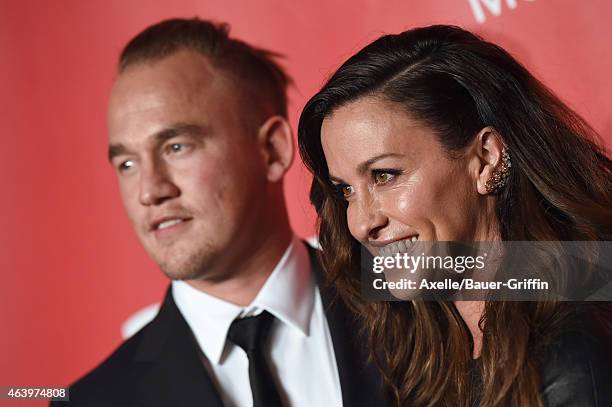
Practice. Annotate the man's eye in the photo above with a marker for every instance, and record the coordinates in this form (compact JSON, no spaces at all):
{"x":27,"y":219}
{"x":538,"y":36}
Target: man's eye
{"x":125,"y":165}
{"x":176,"y":147}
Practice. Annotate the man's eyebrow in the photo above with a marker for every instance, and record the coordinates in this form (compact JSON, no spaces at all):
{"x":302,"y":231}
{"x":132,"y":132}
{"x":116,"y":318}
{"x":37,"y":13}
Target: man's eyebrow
{"x":175,"y":130}
{"x":115,"y":149}
{"x":179,"y":129}
{"x":364,"y":166}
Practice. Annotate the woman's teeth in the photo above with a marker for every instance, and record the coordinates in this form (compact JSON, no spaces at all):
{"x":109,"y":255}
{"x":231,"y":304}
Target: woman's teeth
{"x":402,"y":246}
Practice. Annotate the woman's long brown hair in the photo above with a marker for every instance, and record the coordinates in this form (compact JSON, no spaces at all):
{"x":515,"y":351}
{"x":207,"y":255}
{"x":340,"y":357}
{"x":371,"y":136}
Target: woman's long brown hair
{"x":560,"y":188}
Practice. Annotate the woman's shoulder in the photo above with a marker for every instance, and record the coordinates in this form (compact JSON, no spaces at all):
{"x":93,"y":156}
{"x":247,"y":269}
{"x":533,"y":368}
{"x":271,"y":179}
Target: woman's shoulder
{"x":577,"y":365}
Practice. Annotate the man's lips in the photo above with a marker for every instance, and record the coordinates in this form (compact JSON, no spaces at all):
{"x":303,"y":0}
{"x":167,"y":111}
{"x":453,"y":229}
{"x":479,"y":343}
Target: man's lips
{"x":167,"y":221}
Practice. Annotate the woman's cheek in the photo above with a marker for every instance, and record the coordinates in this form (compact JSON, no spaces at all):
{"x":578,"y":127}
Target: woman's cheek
{"x":405,"y":201}
{"x":352,"y":221}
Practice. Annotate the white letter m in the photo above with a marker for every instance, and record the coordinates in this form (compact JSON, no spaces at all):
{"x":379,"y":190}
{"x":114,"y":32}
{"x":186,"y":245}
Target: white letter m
{"x":494,"y":6}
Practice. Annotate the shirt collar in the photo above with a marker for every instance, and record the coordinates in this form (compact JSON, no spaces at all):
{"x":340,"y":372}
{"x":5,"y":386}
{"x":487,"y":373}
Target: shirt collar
{"x":288,"y":294}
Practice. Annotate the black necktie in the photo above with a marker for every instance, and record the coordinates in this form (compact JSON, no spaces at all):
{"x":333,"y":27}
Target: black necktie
{"x":250,"y":334}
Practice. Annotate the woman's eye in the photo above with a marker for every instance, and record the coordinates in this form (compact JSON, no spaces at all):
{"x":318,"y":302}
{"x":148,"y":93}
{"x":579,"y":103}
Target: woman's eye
{"x":382,"y":177}
{"x":343,"y":191}
{"x":346,"y":190}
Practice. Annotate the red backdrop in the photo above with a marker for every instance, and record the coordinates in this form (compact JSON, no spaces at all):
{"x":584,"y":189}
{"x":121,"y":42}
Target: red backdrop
{"x":73,"y":269}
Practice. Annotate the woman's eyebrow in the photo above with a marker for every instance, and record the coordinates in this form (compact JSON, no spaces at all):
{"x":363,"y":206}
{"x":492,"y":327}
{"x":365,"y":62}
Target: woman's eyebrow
{"x":365,"y":166}
{"x":336,"y":180}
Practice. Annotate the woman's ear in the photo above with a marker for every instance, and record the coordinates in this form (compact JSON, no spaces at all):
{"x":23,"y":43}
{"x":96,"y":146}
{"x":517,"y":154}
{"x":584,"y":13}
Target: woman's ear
{"x":488,"y":148}
{"x":276,"y":141}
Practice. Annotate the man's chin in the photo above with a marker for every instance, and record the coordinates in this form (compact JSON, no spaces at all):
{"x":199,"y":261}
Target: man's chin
{"x":182,"y":261}
{"x":182,"y":267}
{"x":176,"y":262}
{"x":181,"y":274}
{"x":183,"y":270}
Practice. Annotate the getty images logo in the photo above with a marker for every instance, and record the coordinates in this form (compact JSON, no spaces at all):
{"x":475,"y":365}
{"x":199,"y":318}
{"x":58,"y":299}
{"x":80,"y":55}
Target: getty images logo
{"x":493,"y":6}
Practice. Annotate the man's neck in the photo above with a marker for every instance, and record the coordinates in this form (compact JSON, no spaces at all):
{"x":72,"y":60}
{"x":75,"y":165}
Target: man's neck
{"x":249,"y":271}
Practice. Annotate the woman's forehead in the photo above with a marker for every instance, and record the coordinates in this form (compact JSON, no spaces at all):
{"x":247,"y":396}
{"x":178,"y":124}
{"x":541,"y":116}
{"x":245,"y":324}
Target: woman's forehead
{"x":370,"y":127}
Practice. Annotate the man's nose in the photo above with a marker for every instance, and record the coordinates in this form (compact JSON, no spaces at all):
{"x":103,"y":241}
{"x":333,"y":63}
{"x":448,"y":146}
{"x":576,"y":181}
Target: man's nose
{"x":156,"y":185}
{"x":367,"y":219}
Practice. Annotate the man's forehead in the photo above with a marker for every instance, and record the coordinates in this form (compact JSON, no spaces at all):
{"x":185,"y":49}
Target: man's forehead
{"x":182,"y":60}
{"x":174,"y":84}
{"x":182,"y":87}
{"x":180,"y":73}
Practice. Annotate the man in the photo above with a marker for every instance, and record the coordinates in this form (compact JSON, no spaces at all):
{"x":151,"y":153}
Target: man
{"x":199,"y":138}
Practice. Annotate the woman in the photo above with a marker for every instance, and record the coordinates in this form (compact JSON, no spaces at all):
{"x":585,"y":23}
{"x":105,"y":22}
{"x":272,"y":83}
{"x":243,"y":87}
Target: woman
{"x":437,"y":135}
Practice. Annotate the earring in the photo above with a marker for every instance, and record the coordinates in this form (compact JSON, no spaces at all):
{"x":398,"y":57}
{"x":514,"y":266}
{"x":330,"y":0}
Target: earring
{"x":499,"y":177}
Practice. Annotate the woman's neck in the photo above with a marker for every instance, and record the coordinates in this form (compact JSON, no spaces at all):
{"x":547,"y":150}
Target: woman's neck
{"x":471,"y":312}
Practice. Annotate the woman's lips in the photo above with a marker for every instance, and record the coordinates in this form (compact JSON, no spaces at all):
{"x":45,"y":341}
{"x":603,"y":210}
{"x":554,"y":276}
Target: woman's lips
{"x":392,"y":246}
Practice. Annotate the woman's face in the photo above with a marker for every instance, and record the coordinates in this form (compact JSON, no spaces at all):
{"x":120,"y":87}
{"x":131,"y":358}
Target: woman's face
{"x":397,"y":180}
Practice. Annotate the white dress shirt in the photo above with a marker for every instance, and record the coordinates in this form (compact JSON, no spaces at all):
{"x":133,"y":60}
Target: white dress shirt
{"x":301,"y":349}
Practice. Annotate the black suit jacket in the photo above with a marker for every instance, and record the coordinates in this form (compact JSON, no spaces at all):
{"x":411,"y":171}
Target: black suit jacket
{"x":161,"y":366}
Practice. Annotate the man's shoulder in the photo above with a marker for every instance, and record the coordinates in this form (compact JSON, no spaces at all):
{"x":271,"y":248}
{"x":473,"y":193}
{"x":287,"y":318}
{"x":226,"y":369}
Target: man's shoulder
{"x":112,"y":381}
{"x":115,"y":364}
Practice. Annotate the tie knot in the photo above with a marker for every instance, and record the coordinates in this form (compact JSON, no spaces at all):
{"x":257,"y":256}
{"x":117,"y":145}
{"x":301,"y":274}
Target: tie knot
{"x":250,"y":333}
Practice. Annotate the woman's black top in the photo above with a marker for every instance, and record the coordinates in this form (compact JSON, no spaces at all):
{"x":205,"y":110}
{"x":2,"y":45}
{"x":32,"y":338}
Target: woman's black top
{"x":577,"y":367}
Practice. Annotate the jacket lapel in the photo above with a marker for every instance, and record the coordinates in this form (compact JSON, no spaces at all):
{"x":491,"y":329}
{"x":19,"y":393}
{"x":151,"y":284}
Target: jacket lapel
{"x":360,"y":381}
{"x":171,"y":372}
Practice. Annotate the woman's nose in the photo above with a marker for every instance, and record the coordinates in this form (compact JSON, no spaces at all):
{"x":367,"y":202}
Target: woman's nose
{"x":366,"y":219}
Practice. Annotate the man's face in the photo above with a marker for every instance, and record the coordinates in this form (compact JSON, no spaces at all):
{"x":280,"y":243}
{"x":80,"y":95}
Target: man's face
{"x":190,"y":171}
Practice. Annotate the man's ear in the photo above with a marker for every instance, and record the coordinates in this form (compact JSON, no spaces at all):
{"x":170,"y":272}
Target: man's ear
{"x":276,"y":141}
{"x":487,"y":149}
